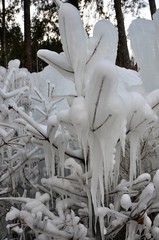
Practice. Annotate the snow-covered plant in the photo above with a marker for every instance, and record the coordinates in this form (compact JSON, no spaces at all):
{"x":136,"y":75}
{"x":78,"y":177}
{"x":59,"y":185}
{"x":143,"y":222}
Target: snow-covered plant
{"x":107,"y":133}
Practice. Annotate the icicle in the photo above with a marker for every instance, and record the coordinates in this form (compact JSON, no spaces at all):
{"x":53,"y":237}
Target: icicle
{"x":108,"y":141}
{"x":117,"y":165}
{"x":96,"y":168}
{"x":134,"y":148}
{"x":49,"y":158}
{"x":132,"y":228}
{"x":123,"y":136}
{"x":102,"y":227}
{"x":60,"y":143}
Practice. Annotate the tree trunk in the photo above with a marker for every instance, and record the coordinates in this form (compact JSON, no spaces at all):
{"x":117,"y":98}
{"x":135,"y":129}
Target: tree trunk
{"x":74,"y":2}
{"x":123,"y":58}
{"x":152,"y":5}
{"x":27,"y":35}
{"x":4,"y":53}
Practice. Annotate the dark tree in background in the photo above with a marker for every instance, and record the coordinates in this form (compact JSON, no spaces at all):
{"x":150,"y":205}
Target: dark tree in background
{"x":152,"y":5}
{"x":27,"y":36}
{"x":11,"y":38}
{"x":15,"y":43}
{"x":41,"y":31}
{"x":3,"y":41}
{"x":123,"y":58}
{"x":44,"y":31}
{"x":74,"y":2}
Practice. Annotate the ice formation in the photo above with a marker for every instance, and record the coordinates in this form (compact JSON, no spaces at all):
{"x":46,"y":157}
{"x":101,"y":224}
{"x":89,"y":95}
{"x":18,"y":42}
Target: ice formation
{"x":146,"y":49}
{"x":104,"y":99}
{"x":107,"y":97}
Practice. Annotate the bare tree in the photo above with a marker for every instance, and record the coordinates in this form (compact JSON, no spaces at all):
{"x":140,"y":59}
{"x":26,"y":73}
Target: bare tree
{"x":27,"y":35}
{"x":152,"y":5}
{"x":74,"y":2}
{"x":123,"y":58}
{"x":4,"y":34}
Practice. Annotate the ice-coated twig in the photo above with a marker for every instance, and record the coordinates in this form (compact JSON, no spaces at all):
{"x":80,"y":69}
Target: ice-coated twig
{"x":20,"y":165}
{"x":12,"y":93}
{"x":33,"y":123}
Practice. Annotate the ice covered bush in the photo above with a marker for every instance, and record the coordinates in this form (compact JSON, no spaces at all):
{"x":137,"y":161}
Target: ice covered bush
{"x":96,"y":151}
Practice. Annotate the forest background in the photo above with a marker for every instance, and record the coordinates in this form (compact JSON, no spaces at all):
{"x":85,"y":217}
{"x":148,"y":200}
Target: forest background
{"x":37,"y":28}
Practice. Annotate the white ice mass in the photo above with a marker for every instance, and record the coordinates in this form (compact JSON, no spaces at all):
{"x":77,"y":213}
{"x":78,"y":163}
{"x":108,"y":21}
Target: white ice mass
{"x":144,"y":36}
